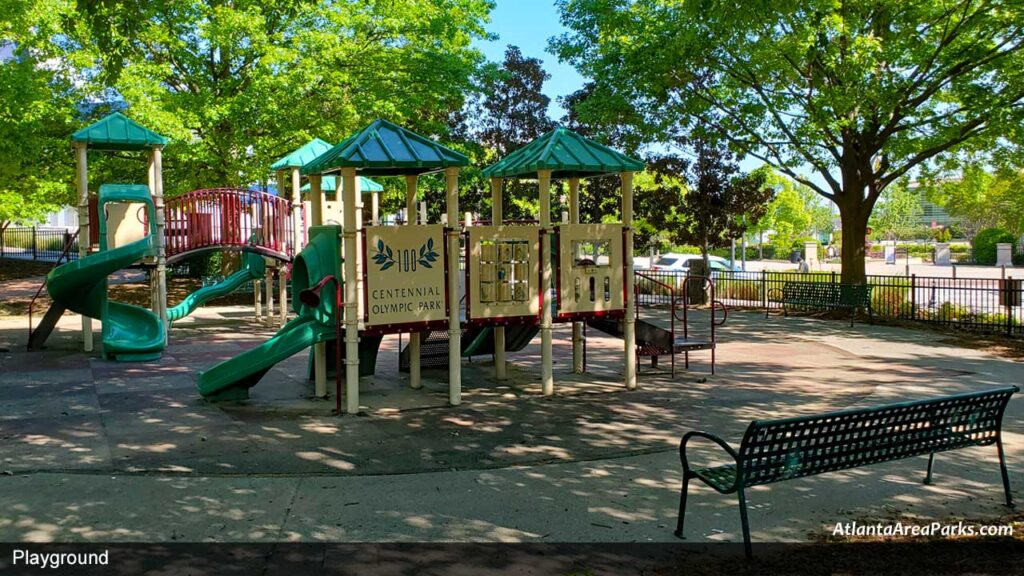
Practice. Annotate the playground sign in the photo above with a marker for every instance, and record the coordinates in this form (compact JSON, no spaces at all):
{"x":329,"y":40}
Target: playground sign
{"x":405,"y":275}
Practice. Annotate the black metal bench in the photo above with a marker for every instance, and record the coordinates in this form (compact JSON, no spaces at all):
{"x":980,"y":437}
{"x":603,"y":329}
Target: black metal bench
{"x":824,"y":295}
{"x":777,"y":450}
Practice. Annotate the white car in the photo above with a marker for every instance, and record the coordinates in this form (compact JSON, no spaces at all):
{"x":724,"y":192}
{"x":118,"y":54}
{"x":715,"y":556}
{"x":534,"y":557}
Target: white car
{"x":681,"y":263}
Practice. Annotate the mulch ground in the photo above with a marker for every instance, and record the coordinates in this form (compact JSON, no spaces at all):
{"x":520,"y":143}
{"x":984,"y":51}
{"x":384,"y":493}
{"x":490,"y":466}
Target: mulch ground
{"x":11,"y":269}
{"x":134,"y":293}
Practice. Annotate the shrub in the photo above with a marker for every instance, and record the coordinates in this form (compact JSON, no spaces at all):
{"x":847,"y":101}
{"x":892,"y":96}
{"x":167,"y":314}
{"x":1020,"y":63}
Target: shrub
{"x":984,"y":244}
{"x":738,"y":289}
{"x":888,"y":299}
{"x":949,"y":311}
{"x":203,"y":264}
{"x":54,"y":245}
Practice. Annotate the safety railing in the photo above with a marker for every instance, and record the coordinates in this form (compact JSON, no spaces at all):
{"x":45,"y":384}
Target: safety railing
{"x":226,"y":218}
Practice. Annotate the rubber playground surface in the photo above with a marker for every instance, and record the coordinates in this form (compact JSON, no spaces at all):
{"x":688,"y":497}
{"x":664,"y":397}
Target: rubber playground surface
{"x":95,"y":450}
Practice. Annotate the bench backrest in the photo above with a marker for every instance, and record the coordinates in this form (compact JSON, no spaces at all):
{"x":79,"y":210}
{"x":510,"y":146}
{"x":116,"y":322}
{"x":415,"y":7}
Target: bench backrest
{"x":774,"y":450}
{"x":858,"y":295}
{"x":824,"y":292}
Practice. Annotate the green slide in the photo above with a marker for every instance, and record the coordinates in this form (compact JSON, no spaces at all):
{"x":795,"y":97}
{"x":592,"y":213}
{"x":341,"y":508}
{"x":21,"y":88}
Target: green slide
{"x":129,"y":332}
{"x":231,"y":379}
{"x":253,"y":268}
{"x":517,"y":337}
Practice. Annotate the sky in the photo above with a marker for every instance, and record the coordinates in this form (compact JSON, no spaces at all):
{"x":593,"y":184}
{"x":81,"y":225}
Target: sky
{"x":528,"y":24}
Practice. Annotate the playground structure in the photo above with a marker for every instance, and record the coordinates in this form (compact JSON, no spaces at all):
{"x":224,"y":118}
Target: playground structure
{"x":456,"y":287}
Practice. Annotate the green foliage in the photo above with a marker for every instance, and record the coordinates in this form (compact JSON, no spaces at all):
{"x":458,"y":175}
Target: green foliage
{"x":718,"y":202}
{"x":979,"y":197}
{"x":794,"y":211}
{"x":891,"y":296}
{"x":899,"y":213}
{"x":984,"y":244}
{"x":203,"y":265}
{"x":862,"y":92}
{"x":942,"y":235}
{"x":507,"y":111}
{"x":237,"y":85}
{"x":38,"y":92}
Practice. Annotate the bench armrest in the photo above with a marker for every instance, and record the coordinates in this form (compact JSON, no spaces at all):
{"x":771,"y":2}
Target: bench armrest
{"x":708,"y":436}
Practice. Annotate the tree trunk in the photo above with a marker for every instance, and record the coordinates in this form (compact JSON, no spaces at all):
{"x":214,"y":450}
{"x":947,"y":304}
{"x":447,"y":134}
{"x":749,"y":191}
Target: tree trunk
{"x":854,"y":216}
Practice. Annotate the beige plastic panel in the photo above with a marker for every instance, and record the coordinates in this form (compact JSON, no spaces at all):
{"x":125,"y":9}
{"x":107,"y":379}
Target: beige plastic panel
{"x":125,"y":223}
{"x":504,"y":271}
{"x":591,"y":275}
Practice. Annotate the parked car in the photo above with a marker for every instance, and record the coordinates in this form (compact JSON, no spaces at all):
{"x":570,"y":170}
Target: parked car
{"x":681,"y":263}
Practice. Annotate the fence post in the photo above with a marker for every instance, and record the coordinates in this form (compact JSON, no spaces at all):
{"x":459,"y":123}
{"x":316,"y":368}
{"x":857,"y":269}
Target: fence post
{"x":2,"y":240}
{"x":764,"y":289}
{"x":33,"y":242}
{"x":833,"y":276}
{"x":1009,"y":299}
{"x":913,"y":296}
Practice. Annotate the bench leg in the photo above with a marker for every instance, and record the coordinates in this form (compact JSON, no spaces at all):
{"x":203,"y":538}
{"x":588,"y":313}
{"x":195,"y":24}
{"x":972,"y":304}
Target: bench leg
{"x":1002,"y":468}
{"x":928,"y":476}
{"x":745,"y":523}
{"x":853,"y":316}
{"x":682,"y":506}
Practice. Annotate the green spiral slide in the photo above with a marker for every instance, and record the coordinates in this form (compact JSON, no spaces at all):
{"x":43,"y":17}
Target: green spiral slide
{"x":253,"y":268}
{"x":130,"y":333}
{"x":231,"y":379}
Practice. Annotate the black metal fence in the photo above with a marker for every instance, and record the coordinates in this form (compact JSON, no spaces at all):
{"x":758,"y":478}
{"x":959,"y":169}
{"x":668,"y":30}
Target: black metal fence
{"x":37,"y":243}
{"x":981,"y":304}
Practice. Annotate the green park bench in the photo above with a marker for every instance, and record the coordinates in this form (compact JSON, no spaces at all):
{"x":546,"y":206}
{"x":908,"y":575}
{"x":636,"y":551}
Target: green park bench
{"x":778,"y":450}
{"x":823,"y":295}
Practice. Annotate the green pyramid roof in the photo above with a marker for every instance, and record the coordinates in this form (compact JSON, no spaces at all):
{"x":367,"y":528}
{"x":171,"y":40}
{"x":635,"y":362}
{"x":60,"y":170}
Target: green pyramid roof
{"x":330,"y":184}
{"x":302,"y":156}
{"x":386,"y":149}
{"x":566,"y":154}
{"x":118,"y":132}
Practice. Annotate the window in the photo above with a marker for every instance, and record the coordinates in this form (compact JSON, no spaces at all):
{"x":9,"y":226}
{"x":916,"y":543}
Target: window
{"x":588,"y":253}
{"x":666,"y":261}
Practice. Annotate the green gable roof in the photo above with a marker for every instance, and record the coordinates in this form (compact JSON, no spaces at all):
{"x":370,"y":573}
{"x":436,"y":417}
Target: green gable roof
{"x":566,"y":154}
{"x":329,"y":184}
{"x":118,"y":132}
{"x":302,"y":156}
{"x":386,"y":149}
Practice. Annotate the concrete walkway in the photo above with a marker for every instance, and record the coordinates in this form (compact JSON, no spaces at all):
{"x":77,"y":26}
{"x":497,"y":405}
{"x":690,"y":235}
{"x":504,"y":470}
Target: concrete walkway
{"x":102,"y":451}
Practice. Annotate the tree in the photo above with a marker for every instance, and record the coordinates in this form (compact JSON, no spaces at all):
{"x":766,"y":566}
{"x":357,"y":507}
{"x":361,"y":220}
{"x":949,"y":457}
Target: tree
{"x":601,"y":198}
{"x":979,"y":198}
{"x":507,"y":111}
{"x":860,"y":92}
{"x":899,"y":212}
{"x":710,"y":213}
{"x":37,"y":88}
{"x":236,"y":85}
